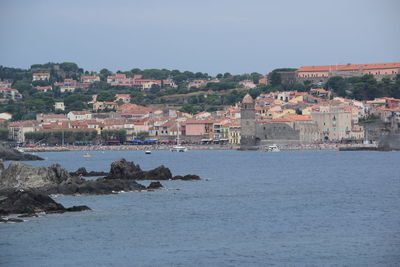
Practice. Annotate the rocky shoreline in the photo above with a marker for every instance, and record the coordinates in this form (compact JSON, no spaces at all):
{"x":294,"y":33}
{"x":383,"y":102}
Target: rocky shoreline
{"x":7,"y":153}
{"x":26,"y":189}
{"x":323,"y":146}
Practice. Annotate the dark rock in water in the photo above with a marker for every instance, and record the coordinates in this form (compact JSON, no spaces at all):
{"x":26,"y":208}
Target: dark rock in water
{"x":31,"y":202}
{"x":96,"y":187}
{"x":188,"y":177}
{"x":80,"y":171}
{"x":7,"y":153}
{"x":78,"y":208}
{"x":122,"y":169}
{"x":83,"y":172}
{"x":28,"y":202}
{"x":155,"y":185}
{"x":95,"y":173}
{"x":28,"y":215}
{"x":56,"y":180}
{"x":14,"y":220}
{"x":159,"y":173}
{"x":107,"y":186}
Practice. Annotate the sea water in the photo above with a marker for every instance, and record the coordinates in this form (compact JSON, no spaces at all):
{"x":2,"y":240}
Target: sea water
{"x":293,"y":208}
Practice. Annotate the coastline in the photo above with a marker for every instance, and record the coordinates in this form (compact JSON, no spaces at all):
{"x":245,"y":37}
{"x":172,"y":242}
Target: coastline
{"x":334,"y":147}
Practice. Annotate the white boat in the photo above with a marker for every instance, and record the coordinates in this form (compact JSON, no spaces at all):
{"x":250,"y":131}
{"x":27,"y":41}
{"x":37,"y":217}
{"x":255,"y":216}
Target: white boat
{"x":178,"y":147}
{"x":87,"y":155}
{"x":19,"y":149}
{"x":273,"y":148}
{"x":147,"y":152}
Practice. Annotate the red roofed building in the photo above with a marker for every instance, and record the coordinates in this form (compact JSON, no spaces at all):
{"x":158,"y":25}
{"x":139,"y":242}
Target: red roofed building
{"x":40,"y":76}
{"x":90,"y":78}
{"x":125,"y":98}
{"x":10,"y":93}
{"x":128,"y":107}
{"x":17,"y":129}
{"x":43,"y":89}
{"x":321,"y":73}
{"x":79,"y":115}
{"x":115,"y":79}
{"x":41,"y":117}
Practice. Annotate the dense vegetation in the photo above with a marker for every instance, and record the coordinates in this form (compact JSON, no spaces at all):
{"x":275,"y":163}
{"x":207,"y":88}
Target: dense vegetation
{"x":365,"y":87}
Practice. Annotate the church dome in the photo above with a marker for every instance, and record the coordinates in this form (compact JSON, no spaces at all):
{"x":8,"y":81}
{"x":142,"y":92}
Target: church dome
{"x":247,"y":99}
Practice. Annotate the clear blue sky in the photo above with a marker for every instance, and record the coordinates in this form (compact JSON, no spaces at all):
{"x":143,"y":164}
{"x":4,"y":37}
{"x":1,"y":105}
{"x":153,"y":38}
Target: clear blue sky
{"x":203,"y":35}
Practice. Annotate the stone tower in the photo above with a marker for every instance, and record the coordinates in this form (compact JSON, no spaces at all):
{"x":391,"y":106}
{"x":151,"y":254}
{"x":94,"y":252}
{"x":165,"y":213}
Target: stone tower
{"x":248,"y":138}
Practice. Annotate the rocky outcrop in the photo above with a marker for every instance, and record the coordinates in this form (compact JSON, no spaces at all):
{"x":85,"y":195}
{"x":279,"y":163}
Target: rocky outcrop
{"x":31,"y":202}
{"x":56,"y":180}
{"x":7,"y":153}
{"x":159,"y":173}
{"x":96,"y":187}
{"x":122,"y":169}
{"x":155,"y":185}
{"x":83,"y":172}
{"x":20,"y":175}
{"x":188,"y":177}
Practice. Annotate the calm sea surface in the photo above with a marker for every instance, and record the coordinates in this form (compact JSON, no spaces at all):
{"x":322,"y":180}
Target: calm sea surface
{"x":300,"y":208}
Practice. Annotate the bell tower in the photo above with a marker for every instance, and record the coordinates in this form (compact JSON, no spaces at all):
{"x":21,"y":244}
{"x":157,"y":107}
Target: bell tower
{"x":248,"y":138}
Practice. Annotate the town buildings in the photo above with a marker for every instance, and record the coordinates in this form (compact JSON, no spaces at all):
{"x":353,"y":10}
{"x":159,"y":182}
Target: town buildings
{"x":90,"y":78}
{"x":40,"y":77}
{"x":8,"y":93}
{"x":282,"y":117}
{"x":322,"y":73}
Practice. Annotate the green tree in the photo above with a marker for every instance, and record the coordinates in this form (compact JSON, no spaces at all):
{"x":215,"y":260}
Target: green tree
{"x":3,"y":134}
{"x":105,"y":96}
{"x":275,"y":79}
{"x":142,"y":135}
{"x":337,"y":84}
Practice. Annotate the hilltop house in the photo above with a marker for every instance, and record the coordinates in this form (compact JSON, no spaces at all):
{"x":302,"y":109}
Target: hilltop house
{"x":40,"y":77}
{"x":90,"y":78}
{"x":125,"y":98}
{"x":9,"y":93}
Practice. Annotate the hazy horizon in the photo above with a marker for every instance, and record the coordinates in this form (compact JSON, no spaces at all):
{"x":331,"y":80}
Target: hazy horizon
{"x":207,"y":36}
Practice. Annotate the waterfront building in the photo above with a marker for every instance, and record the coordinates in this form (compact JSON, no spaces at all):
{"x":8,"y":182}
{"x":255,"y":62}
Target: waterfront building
{"x":335,"y":123}
{"x":17,"y":129}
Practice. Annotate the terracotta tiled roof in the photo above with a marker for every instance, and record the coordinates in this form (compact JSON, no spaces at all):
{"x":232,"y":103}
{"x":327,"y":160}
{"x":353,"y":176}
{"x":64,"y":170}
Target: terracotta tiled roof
{"x":133,"y":108}
{"x":83,"y":112}
{"x":247,"y":99}
{"x":350,"y":67}
{"x":199,"y":121}
{"x":298,"y":117}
